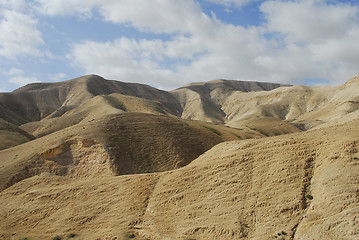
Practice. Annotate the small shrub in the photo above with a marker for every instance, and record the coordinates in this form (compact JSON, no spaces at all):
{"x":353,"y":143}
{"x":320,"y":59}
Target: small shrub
{"x":71,"y":235}
{"x":310,"y":197}
{"x":213,"y":130}
{"x":284,"y":233}
{"x":130,"y":235}
{"x":57,"y":238}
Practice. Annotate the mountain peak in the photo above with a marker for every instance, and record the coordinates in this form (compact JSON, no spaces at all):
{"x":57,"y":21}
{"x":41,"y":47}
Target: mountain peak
{"x":352,"y":81}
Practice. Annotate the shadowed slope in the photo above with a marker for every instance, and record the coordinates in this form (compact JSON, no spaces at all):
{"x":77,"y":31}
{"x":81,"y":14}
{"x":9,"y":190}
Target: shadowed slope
{"x":296,"y":186}
{"x":11,"y":135}
{"x":203,"y":101}
{"x":112,"y":145}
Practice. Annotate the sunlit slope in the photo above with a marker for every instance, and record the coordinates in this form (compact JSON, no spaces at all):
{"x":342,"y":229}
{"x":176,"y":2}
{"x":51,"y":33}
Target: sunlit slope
{"x":306,"y":107}
{"x":36,"y":101}
{"x":95,"y":108}
{"x":232,"y":102}
{"x":203,"y":101}
{"x":296,"y":186}
{"x":124,"y":143}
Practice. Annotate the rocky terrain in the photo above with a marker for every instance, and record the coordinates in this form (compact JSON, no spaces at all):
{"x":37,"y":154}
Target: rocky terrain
{"x":91,"y":158}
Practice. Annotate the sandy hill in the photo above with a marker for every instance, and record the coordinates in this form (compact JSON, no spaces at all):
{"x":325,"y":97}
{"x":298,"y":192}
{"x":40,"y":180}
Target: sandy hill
{"x":95,"y":108}
{"x":296,"y":186}
{"x":234,"y":103}
{"x":116,"y":160}
{"x":115,"y":144}
{"x":36,"y":101}
{"x":203,"y":101}
{"x":238,"y":104}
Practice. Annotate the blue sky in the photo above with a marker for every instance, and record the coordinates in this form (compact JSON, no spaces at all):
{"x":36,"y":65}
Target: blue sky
{"x":167,"y":44}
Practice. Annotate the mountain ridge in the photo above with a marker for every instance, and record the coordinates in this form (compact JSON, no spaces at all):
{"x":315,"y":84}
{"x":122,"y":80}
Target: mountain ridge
{"x":114,"y":160}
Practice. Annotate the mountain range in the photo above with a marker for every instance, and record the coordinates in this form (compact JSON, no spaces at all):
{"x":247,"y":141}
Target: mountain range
{"x":224,"y":159}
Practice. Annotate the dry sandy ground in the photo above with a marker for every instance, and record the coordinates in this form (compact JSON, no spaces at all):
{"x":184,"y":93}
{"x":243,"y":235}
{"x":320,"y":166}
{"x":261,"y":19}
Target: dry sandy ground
{"x":295,"y":186}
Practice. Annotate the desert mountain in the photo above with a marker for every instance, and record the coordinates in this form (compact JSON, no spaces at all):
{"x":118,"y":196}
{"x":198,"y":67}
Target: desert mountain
{"x":115,"y":144}
{"x":115,"y":160}
{"x":36,"y":101}
{"x":219,"y":101}
{"x":295,"y":186}
{"x":203,"y":101}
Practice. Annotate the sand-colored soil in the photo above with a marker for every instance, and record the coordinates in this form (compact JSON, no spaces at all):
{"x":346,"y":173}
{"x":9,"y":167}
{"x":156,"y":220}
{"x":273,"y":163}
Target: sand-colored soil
{"x":296,"y":186}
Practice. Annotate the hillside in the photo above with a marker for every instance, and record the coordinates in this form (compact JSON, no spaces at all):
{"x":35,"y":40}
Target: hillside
{"x":228,"y":102}
{"x":37,"y":101}
{"x":215,"y":160}
{"x":11,"y":135}
{"x":203,"y":101}
{"x":115,"y":144}
{"x":296,"y":186}
{"x":95,"y":108}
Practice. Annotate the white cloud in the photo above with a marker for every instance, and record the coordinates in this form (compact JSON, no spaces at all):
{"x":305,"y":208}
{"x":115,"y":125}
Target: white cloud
{"x":309,"y":20}
{"x":304,"y":48}
{"x":17,"y":77}
{"x":21,"y":80}
{"x":14,"y":72}
{"x":170,"y":16}
{"x":299,"y":39}
{"x":19,"y":35}
{"x":17,"y":5}
{"x":58,"y":77}
{"x":123,"y":59}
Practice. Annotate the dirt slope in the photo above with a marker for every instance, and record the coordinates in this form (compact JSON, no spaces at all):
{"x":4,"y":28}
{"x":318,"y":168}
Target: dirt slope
{"x":93,"y":109}
{"x":203,"y":101}
{"x":113,"y":145}
{"x":296,"y":186}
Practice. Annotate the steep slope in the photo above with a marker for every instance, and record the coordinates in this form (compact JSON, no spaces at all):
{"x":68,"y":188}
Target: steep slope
{"x":114,"y":144}
{"x":36,"y":101}
{"x":11,"y":135}
{"x":203,"y":101}
{"x":297,"y":186}
{"x":235,"y":102}
{"x":93,"y":109}
{"x":306,"y":107}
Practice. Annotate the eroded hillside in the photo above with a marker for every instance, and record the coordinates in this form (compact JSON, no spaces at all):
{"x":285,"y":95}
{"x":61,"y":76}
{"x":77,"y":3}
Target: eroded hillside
{"x":296,"y":186}
{"x":116,"y":160}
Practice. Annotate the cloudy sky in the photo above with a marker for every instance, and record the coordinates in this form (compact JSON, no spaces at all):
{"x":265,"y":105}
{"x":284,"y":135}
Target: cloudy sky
{"x":169,"y":43}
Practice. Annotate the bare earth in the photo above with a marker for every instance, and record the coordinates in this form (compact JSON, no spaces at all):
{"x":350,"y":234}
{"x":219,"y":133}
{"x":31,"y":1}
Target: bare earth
{"x":126,"y":166}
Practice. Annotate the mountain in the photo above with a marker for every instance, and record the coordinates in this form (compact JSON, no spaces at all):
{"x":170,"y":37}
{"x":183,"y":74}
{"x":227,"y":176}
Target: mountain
{"x":295,"y":186}
{"x":91,"y":158}
{"x":36,"y":101}
{"x":115,"y":144}
{"x":203,"y":101}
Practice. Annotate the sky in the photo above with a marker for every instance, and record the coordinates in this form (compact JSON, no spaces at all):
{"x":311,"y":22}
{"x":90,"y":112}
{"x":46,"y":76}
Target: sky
{"x":169,"y":43}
